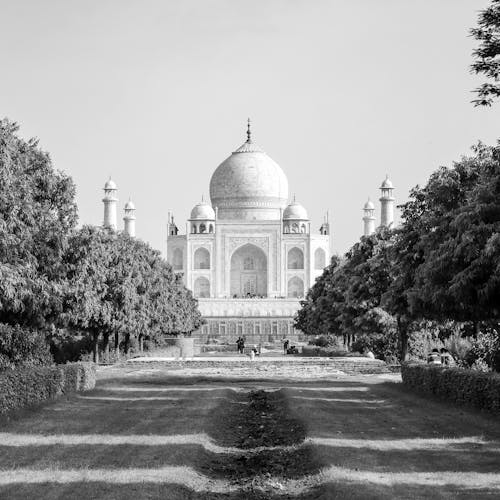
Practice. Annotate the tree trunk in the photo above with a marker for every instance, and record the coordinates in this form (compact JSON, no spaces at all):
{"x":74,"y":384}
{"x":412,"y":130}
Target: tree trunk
{"x":403,"y":338}
{"x":106,"y":347}
{"x":141,"y":342}
{"x":117,"y":344}
{"x":127,"y":342}
{"x":95,"y":346}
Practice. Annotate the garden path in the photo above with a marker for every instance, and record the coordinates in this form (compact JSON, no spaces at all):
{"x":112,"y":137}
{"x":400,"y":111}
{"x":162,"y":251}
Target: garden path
{"x":147,"y":432}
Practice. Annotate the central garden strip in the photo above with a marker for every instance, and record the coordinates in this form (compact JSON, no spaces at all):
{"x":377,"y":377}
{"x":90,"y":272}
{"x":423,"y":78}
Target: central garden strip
{"x":269,"y":438}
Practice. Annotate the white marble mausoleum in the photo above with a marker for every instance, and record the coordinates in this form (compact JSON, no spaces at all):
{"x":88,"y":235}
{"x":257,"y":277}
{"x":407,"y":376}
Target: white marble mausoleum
{"x":249,"y":255}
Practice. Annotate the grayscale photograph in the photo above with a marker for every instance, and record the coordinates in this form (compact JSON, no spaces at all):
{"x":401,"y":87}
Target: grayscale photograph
{"x":249,"y":250}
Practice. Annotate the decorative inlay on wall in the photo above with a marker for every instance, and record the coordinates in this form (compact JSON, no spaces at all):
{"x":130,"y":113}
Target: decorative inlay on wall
{"x":236,"y":242}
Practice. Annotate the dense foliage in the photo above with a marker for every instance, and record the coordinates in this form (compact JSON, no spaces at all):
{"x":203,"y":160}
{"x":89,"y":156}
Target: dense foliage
{"x":31,"y":385}
{"x":37,"y":212}
{"x":467,"y":387}
{"x":22,"y":347}
{"x":119,"y":286}
{"x":487,"y":55}
{"x":440,"y":267}
{"x":58,"y":282}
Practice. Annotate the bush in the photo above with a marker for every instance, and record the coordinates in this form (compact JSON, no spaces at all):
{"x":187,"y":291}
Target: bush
{"x":485,"y":349}
{"x":423,"y":341}
{"x":332,"y":352}
{"x":321,"y":341}
{"x":383,"y":346}
{"x":31,"y":385}
{"x":22,"y":347}
{"x":469,"y":387}
{"x":68,"y":347}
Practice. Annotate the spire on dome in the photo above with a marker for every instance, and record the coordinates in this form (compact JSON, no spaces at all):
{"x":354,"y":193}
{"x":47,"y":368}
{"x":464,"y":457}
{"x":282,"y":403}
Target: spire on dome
{"x":249,"y":132}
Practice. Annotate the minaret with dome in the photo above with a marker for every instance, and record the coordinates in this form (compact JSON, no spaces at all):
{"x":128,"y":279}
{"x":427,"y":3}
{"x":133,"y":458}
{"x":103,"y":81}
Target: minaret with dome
{"x":110,"y":202}
{"x":387,"y":201}
{"x":249,"y":254}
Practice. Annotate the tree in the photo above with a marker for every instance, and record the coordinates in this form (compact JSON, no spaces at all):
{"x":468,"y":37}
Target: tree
{"x":460,"y":276}
{"x":320,"y":310}
{"x":120,"y":287}
{"x":37,"y":212}
{"x":346,"y":298}
{"x":487,"y":55}
{"x":446,"y":251}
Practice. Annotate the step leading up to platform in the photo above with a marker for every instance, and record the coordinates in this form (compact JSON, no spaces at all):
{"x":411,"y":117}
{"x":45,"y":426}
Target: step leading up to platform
{"x":348,"y":365}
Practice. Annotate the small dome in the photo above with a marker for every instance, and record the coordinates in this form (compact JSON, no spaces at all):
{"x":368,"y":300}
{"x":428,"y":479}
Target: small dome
{"x":387,"y":184}
{"x":295,"y":211}
{"x":369,"y":205}
{"x":109,"y":185}
{"x":203,"y":211}
{"x":129,"y":205}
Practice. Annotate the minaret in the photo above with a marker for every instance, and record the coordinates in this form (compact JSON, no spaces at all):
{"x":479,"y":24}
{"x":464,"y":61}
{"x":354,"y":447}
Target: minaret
{"x":386,"y":203}
{"x":369,"y":218}
{"x":129,"y":219}
{"x":110,"y":202}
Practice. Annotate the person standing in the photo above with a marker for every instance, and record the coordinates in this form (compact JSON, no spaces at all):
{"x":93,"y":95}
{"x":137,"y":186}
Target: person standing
{"x":286,"y":343}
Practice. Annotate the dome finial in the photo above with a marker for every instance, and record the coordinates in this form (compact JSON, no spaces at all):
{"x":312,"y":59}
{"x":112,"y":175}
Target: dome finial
{"x":249,"y":132}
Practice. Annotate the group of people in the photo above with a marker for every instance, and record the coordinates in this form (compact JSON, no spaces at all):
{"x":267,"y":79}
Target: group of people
{"x":443,"y":357}
{"x":288,"y":349}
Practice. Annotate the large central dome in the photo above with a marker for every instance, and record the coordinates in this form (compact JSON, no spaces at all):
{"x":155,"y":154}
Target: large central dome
{"x":249,"y":185}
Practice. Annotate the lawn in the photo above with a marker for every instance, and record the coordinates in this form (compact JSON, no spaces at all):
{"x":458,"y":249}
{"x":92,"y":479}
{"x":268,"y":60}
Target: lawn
{"x":150,"y":434}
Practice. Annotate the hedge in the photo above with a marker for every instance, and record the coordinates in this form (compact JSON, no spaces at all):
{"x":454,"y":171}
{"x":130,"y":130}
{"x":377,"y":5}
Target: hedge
{"x":462,"y":386}
{"x":27,"y":386}
{"x":330,"y":352}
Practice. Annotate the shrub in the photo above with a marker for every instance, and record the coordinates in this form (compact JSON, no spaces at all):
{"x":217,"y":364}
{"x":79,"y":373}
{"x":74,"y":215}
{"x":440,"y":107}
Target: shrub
{"x":383,"y":346}
{"x":485,"y":349}
{"x":26,"y":386}
{"x":469,"y":387}
{"x":21,"y":346}
{"x":311,"y":351}
{"x":68,"y":347}
{"x":423,"y":341}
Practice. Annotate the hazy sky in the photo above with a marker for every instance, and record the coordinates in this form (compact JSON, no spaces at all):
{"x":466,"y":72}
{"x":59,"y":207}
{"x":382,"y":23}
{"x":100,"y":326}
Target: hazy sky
{"x":157,"y":93}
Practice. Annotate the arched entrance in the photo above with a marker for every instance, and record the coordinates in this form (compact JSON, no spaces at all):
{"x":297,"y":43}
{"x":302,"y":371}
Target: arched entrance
{"x":248,"y":272}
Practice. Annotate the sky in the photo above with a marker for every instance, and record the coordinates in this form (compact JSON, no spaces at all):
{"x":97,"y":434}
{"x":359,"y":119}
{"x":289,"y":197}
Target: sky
{"x":156,"y":94}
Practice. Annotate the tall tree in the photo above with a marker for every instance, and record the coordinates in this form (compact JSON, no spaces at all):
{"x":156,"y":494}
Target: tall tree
{"x":37,"y":212}
{"x":487,"y":55}
{"x":119,"y":287}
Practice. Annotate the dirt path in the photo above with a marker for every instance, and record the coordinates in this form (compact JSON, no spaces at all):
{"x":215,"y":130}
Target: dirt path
{"x":149,"y":434}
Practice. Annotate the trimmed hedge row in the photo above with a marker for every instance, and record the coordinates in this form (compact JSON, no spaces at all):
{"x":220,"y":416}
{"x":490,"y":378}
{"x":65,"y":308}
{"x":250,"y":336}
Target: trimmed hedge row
{"x":331,"y":352}
{"x":468,"y":387}
{"x":32,"y":385}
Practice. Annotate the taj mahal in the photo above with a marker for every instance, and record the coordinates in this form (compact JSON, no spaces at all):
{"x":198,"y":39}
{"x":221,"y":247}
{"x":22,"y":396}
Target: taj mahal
{"x":249,"y":254}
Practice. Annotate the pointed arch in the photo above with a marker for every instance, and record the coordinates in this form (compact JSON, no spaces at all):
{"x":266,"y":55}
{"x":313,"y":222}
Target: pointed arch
{"x":248,"y":272}
{"x":201,"y":258}
{"x":202,"y":288}
{"x":295,"y":258}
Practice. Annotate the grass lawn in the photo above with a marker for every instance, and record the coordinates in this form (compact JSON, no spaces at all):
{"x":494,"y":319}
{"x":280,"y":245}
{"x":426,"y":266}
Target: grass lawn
{"x":148,"y":434}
